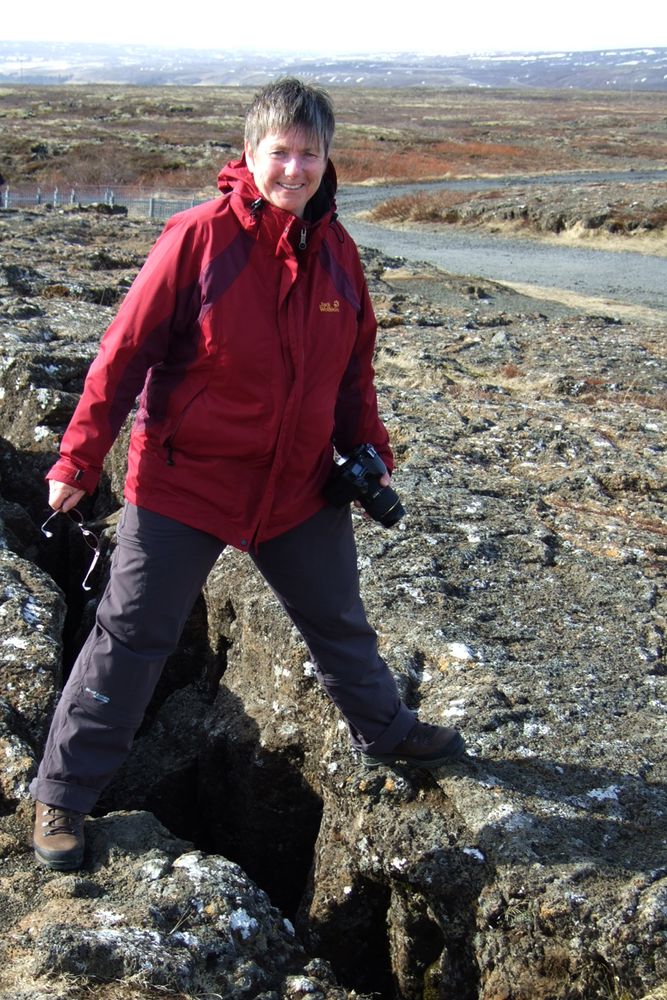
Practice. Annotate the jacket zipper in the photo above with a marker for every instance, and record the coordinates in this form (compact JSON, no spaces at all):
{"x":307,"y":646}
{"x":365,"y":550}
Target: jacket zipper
{"x":302,"y":240}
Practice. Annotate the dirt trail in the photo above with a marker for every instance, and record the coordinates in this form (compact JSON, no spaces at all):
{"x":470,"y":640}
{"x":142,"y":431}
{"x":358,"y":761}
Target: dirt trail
{"x":615,"y":280}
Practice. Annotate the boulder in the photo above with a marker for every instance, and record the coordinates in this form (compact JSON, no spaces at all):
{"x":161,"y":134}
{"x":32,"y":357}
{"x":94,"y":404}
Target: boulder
{"x":154,"y":914}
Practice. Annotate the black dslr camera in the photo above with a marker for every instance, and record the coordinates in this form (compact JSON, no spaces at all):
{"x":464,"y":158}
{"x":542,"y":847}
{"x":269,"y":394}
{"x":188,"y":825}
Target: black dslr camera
{"x":357,"y":477}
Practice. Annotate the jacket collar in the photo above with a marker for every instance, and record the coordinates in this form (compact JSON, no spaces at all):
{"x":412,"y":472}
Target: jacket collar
{"x":285,"y":232}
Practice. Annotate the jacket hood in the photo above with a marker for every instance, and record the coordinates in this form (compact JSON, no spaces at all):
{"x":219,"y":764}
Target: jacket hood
{"x":236,"y":176}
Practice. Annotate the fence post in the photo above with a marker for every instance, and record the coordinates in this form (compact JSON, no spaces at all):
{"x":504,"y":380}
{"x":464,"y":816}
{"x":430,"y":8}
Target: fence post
{"x":55,"y":197}
{"x":151,"y":207}
{"x":38,"y":199}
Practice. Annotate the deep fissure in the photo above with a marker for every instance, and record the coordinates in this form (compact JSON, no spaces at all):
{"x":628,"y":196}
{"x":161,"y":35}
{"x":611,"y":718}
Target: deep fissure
{"x":253,"y":806}
{"x":220,"y":789}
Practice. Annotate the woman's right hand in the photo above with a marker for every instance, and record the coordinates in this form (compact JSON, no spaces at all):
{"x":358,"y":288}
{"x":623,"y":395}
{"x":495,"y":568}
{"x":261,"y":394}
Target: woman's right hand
{"x":63,"y":497}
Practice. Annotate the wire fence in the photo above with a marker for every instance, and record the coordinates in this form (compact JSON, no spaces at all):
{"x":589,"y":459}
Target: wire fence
{"x":126,"y":201}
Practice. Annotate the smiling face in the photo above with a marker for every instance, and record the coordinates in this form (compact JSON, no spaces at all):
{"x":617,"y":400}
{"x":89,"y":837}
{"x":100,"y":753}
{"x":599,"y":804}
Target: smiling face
{"x":288,"y":168}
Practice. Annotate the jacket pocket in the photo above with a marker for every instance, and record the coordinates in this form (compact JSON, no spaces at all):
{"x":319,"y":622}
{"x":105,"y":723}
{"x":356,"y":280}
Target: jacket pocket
{"x":176,"y":428}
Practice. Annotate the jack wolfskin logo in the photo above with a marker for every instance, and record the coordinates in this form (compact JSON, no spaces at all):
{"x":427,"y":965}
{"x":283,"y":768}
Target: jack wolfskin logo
{"x":330,"y":307}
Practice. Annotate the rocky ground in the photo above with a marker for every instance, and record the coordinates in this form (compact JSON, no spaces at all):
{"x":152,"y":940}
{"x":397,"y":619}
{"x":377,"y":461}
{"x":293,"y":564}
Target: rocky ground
{"x":243,"y":851}
{"x":621,"y":215}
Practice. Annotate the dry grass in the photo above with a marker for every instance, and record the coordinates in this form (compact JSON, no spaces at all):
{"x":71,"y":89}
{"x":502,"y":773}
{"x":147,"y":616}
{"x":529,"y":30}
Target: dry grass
{"x":379,"y":160}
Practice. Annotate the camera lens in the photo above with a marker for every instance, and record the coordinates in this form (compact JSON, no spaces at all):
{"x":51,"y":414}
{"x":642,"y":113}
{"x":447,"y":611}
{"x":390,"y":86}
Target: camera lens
{"x":384,"y":506}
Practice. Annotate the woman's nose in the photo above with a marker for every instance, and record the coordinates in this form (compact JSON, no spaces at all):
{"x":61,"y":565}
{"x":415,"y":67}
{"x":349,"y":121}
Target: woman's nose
{"x":293,"y":165}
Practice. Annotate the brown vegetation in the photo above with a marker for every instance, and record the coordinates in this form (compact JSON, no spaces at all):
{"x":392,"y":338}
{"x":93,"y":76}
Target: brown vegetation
{"x":180,"y":136}
{"x":638,"y":210}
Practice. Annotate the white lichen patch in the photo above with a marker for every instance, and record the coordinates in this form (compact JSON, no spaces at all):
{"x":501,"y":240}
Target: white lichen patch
{"x":16,"y":642}
{"x":191,"y":864}
{"x":109,"y":918}
{"x":186,"y":939}
{"x":532,"y":729}
{"x":414,"y":592}
{"x":300,"y":986}
{"x":309,"y":669}
{"x":43,"y":396}
{"x":243,"y":924}
{"x":473,"y":852}
{"x":32,"y":612}
{"x":455,"y":710}
{"x":459,"y":651}
{"x":471,"y":532}
{"x":154,"y":869}
{"x":609,"y":794}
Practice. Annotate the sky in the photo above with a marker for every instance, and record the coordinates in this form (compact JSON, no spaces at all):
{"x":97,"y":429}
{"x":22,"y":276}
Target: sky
{"x":348,"y":26}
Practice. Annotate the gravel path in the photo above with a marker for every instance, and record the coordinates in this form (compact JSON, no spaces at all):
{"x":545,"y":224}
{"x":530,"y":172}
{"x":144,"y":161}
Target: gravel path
{"x":628,"y":278}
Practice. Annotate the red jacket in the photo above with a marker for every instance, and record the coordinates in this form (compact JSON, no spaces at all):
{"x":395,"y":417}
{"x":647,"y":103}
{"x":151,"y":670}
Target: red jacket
{"x":249,"y":334}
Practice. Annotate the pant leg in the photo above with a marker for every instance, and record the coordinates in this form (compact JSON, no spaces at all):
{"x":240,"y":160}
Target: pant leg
{"x":158,"y":569}
{"x":312,"y":569}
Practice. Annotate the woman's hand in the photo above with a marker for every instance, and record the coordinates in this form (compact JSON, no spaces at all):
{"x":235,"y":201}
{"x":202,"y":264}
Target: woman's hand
{"x":384,"y":480}
{"x":63,"y":497}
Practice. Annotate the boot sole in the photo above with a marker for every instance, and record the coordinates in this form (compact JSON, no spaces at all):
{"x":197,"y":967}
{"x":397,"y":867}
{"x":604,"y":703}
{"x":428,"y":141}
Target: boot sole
{"x":70,"y":863}
{"x":456,"y":752}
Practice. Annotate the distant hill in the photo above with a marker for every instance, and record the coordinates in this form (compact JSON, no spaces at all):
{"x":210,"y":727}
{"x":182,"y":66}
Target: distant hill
{"x":60,"y":63}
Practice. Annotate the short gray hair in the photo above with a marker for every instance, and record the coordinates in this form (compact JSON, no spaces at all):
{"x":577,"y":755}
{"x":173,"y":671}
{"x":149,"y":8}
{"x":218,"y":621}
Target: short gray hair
{"x":288,"y":104}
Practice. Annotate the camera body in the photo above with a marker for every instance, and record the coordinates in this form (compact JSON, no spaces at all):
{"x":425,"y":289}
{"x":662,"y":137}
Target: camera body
{"x":357,"y":477}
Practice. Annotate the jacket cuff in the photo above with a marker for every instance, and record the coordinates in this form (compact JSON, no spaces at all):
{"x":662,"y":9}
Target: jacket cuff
{"x":64,"y":471}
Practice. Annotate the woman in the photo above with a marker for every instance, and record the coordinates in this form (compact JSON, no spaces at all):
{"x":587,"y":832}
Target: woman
{"x":249,"y":335}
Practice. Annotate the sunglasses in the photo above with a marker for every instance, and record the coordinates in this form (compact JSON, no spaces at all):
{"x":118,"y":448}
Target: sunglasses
{"x":91,"y":539}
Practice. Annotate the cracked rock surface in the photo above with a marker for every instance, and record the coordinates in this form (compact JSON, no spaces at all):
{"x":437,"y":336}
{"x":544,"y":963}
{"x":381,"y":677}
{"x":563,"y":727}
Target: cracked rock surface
{"x":243,"y":850}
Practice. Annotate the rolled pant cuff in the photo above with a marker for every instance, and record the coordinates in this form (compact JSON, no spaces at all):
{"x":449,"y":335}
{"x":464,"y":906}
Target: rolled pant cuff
{"x":64,"y":795}
{"x":395,"y":732}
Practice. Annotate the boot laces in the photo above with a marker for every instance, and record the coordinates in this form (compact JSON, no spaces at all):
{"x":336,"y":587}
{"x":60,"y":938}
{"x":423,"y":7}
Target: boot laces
{"x":60,"y":821}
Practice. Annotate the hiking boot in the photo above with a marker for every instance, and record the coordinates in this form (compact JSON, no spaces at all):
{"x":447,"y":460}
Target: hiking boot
{"x":425,"y":746}
{"x":58,"y":837}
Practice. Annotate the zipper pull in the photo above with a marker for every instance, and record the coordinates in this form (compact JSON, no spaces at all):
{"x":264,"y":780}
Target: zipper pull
{"x":302,"y":241}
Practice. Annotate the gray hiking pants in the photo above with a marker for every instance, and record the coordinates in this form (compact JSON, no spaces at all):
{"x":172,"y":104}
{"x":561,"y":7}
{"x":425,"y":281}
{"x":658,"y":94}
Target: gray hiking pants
{"x":158,"y":569}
